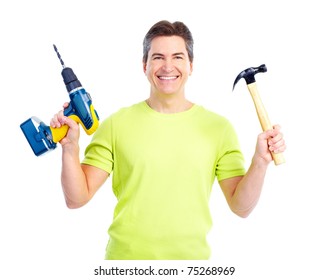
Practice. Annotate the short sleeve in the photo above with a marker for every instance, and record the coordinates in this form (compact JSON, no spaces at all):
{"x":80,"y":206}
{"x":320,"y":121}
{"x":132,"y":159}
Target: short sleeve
{"x":231,"y":162}
{"x":99,"y":152}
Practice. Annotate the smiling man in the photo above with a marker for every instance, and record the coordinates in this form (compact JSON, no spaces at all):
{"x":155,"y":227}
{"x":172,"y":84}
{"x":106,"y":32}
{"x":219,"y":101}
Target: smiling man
{"x":164,"y":155}
{"x":168,"y":66}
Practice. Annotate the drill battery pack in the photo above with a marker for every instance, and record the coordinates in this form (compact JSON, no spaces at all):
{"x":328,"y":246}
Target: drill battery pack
{"x":38,"y":135}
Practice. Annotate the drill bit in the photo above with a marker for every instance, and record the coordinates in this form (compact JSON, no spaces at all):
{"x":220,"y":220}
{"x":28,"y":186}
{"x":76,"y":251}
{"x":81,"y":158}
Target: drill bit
{"x":59,"y":56}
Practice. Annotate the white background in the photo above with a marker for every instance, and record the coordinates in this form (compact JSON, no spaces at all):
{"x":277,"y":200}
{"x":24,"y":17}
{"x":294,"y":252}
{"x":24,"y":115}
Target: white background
{"x":286,"y":237}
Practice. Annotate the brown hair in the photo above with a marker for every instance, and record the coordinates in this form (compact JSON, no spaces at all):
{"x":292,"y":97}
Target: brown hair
{"x":166,"y":28}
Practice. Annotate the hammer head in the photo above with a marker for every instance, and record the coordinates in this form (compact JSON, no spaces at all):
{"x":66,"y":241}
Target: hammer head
{"x":249,"y":74}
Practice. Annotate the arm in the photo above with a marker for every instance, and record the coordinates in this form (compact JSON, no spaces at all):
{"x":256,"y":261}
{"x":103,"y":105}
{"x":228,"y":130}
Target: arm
{"x":79,"y":182}
{"x":242,"y":193}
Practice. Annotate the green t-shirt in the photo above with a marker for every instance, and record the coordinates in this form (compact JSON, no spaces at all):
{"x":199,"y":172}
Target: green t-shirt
{"x":164,"y":166}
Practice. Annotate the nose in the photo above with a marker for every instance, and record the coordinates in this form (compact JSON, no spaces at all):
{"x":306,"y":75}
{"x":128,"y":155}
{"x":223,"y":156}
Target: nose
{"x":168,"y":65}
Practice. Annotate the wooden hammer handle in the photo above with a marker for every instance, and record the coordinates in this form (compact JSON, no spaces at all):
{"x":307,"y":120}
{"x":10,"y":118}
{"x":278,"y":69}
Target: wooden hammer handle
{"x":263,"y":118}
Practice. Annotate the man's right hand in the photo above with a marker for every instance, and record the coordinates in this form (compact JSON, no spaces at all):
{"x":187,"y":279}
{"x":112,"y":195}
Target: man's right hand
{"x":73,"y":134}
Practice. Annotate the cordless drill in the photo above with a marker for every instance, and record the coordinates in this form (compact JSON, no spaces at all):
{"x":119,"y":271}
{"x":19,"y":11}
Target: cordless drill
{"x":43,"y":138}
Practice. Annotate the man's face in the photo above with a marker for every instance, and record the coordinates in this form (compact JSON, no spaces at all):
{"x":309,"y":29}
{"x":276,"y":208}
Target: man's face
{"x":168,"y":65}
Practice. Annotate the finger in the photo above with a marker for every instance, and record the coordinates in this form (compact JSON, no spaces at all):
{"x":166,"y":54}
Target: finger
{"x":279,"y":150}
{"x":278,"y":147}
{"x":275,"y":139}
{"x":70,"y":122}
{"x":66,"y":104}
{"x":274,"y":134}
{"x":55,"y":122}
{"x":277,"y":127}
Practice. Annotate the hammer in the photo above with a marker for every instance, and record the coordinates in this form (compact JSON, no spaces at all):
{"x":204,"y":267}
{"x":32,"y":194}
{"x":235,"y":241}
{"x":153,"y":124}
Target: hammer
{"x":249,"y":75}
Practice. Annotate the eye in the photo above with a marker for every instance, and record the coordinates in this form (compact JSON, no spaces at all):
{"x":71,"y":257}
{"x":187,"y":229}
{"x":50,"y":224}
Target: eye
{"x":157,"y":57}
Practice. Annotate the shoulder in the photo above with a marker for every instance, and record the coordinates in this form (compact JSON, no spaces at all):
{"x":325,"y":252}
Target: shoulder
{"x":132,"y":109}
{"x":125,"y":112}
{"x":211,"y":116}
{"x":215,"y":124}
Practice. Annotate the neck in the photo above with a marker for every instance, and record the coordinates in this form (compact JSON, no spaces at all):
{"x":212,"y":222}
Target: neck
{"x":168,"y":104}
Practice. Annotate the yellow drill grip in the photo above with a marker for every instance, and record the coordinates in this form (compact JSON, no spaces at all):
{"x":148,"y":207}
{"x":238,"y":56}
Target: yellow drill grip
{"x":59,"y":133}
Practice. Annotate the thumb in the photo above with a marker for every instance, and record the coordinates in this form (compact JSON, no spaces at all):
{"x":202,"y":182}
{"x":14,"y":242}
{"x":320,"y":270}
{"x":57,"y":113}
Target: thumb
{"x":70,"y":122}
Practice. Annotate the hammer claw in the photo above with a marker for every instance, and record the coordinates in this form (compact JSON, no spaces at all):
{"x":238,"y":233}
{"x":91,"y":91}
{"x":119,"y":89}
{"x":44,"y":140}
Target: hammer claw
{"x":249,"y":74}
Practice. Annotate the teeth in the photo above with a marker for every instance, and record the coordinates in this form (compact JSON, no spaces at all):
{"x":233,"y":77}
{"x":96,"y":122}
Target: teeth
{"x":167,"y":78}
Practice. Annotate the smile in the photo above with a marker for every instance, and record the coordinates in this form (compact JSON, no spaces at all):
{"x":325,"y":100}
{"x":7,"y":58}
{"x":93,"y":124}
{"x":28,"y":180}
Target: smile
{"x":167,"y":78}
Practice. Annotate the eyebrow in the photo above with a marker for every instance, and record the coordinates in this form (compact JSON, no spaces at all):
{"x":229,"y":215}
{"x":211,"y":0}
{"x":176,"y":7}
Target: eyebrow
{"x":175,"y":54}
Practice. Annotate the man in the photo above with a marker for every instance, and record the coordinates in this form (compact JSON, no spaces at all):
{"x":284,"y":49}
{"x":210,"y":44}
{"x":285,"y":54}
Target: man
{"x":165,"y":154}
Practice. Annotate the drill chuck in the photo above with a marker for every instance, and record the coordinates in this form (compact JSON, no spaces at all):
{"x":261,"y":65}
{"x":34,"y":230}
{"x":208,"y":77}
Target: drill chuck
{"x":70,"y":79}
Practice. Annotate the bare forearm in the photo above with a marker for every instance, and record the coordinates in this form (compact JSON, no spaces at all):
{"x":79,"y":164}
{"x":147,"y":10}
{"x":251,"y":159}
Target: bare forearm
{"x":74,"y":182}
{"x":248,"y":190}
{"x":242,"y":193}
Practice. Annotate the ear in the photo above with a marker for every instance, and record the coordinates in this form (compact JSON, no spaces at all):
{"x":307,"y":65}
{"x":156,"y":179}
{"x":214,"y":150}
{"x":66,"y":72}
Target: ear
{"x":144,"y":67}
